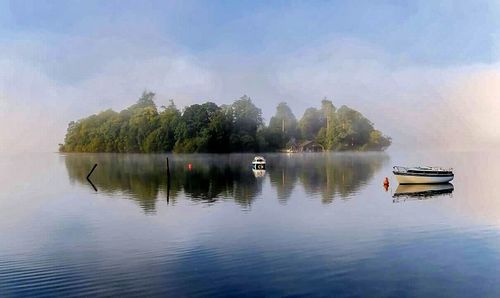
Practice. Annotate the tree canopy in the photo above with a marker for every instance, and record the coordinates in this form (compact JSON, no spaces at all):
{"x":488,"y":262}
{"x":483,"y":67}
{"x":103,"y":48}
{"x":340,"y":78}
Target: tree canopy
{"x":207,"y":127}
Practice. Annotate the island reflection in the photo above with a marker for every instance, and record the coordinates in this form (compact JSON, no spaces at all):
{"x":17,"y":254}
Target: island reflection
{"x":330,"y":175}
{"x":210,"y":178}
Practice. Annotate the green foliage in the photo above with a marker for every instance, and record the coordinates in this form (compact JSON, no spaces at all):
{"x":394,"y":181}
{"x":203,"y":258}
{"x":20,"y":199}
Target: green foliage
{"x":246,"y":120}
{"x":310,"y":124}
{"x":146,"y":100}
{"x":228,"y":128}
{"x":378,"y":141}
{"x":283,"y":126}
{"x":329,"y":121}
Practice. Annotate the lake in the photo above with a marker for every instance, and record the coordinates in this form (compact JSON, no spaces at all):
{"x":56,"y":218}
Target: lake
{"x":311,"y":225}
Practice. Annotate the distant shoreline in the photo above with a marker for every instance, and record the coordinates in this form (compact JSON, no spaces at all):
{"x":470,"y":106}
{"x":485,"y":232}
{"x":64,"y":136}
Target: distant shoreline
{"x":225,"y":153}
{"x":209,"y":128}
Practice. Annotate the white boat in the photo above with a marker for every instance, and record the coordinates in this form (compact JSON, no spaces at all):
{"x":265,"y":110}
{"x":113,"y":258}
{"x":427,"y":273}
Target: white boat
{"x":259,"y":163}
{"x":422,"y":175}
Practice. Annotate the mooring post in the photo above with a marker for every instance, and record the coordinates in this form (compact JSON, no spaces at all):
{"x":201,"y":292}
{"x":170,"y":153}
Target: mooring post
{"x":90,"y":173}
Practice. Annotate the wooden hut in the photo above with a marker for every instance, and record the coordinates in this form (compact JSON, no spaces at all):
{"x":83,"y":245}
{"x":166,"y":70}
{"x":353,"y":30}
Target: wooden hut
{"x":310,"y":146}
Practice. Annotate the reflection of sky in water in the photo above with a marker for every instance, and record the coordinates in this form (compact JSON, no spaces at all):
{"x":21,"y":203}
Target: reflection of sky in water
{"x":299,"y":227}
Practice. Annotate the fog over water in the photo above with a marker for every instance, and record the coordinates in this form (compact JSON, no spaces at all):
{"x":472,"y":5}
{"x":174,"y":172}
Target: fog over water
{"x":426,"y":73}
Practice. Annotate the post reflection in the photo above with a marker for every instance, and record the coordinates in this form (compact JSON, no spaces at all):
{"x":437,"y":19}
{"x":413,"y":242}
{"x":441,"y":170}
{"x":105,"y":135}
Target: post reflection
{"x":209,"y":178}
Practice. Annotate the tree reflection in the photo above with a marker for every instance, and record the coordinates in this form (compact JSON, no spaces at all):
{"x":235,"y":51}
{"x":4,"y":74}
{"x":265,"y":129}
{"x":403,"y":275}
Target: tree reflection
{"x":143,"y":178}
{"x":283,"y":173}
{"x":327,"y":174}
{"x":210,"y":178}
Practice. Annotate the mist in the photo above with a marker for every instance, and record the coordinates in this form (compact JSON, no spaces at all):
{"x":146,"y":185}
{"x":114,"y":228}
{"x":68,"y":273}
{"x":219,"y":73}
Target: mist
{"x":51,"y":77}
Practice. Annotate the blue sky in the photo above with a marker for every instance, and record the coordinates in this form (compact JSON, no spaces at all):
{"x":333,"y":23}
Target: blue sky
{"x":384,"y":58}
{"x":433,"y":32}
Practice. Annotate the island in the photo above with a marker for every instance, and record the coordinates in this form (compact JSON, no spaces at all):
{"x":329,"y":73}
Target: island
{"x":210,"y":128}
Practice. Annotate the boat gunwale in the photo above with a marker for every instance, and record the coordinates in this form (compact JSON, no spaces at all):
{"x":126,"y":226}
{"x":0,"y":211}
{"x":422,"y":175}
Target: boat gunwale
{"x":446,"y":174}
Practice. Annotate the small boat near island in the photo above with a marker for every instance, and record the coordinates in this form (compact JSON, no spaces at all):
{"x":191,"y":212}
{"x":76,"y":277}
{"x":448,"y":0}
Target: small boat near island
{"x":259,"y":163}
{"x":423,"y":175}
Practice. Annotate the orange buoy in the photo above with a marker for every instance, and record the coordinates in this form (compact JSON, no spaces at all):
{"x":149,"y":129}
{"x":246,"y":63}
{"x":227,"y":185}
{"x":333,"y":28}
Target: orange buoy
{"x":386,"y":181}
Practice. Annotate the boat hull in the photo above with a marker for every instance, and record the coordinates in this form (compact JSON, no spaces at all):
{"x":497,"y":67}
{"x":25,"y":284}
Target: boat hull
{"x":422,"y":179}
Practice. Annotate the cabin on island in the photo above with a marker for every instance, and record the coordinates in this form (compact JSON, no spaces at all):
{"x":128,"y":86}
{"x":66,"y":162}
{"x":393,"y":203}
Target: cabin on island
{"x":310,"y":146}
{"x":292,"y":148}
{"x":307,"y":146}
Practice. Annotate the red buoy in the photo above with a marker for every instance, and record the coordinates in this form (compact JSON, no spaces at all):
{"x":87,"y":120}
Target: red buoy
{"x":190,"y":166}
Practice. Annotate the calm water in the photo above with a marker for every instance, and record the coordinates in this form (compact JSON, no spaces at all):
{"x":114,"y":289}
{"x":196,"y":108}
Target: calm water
{"x":312,"y":225}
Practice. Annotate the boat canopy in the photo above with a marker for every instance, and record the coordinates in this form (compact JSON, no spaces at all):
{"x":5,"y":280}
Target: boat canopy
{"x":425,"y":170}
{"x":259,"y":159}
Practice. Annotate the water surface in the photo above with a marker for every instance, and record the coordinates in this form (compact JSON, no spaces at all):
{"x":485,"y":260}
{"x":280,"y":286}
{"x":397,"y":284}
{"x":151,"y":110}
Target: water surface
{"x":311,"y":225}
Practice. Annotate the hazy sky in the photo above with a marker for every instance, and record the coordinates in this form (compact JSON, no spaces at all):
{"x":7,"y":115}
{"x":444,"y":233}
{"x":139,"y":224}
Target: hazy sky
{"x":426,"y":73}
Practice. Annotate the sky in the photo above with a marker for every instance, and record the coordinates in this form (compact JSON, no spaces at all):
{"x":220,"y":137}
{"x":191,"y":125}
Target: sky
{"x":426,"y":73}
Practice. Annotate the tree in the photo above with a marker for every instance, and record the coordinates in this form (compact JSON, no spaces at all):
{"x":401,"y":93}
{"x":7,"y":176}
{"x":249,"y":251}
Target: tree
{"x":163,"y":138}
{"x":352,"y":130}
{"x":378,"y":141}
{"x":204,"y":128}
{"x":247,"y":118}
{"x":218,"y":132}
{"x":310,"y":124}
{"x":209,"y":128}
{"x":329,"y":120}
{"x":143,"y":122}
{"x":283,"y":126}
{"x":146,"y":100}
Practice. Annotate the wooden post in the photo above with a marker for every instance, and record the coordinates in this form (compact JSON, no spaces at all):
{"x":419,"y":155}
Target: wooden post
{"x":88,"y":177}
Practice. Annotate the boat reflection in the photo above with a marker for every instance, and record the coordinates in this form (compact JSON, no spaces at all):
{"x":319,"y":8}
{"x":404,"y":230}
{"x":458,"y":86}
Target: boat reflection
{"x":406,"y":192}
{"x":259,"y":173}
